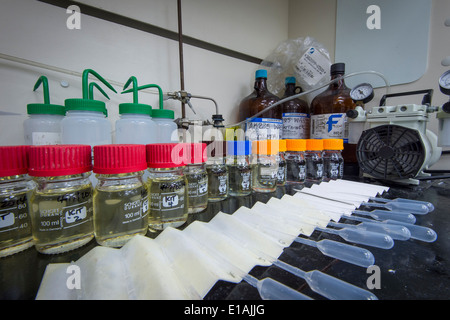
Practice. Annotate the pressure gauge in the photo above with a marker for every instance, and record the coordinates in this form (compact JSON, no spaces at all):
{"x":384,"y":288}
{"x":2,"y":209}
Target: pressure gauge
{"x":362,"y":93}
{"x":444,"y":83}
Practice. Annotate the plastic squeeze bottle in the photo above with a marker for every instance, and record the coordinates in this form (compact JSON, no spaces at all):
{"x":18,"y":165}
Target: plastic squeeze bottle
{"x":43,"y":127}
{"x":135,"y":125}
{"x":86,"y":119}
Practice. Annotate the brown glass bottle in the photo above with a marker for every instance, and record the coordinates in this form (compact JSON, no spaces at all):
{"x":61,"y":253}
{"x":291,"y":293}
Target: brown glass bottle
{"x":269,"y":124}
{"x":328,"y":118}
{"x":294,"y":113}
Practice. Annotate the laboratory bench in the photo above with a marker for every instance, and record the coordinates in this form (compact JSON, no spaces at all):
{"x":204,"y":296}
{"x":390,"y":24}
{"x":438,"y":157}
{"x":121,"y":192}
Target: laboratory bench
{"x":411,"y":270}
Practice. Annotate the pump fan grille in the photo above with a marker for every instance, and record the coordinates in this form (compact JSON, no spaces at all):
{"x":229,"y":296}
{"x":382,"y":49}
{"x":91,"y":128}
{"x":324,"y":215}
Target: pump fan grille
{"x":390,"y":152}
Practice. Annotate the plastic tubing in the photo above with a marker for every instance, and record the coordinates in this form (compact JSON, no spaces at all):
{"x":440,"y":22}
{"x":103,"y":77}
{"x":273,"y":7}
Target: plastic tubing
{"x":312,"y":90}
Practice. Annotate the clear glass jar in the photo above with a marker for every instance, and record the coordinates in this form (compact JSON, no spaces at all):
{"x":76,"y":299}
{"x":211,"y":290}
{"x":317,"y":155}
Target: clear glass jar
{"x":197,"y":179}
{"x":61,"y":204}
{"x":314,"y":160}
{"x":120,"y":196}
{"x":333,"y":161}
{"x":217,"y":171}
{"x":168,"y":198}
{"x":62,"y":213}
{"x":15,"y":192}
{"x":167,"y":185}
{"x":295,"y":161}
{"x":239,"y":168}
{"x":264,"y":165}
{"x":120,"y":208}
{"x":281,"y":159}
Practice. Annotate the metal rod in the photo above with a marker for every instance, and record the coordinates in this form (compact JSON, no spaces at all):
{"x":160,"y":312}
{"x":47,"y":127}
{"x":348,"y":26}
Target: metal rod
{"x":180,"y":48}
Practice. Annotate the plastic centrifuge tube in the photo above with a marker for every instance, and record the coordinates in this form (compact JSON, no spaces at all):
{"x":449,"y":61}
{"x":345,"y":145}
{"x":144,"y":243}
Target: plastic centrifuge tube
{"x":411,"y":207}
{"x":429,"y":205}
{"x":341,"y":251}
{"x":417,"y":232}
{"x":385,"y":214}
{"x":270,"y":289}
{"x":396,"y":232}
{"x":328,"y":286}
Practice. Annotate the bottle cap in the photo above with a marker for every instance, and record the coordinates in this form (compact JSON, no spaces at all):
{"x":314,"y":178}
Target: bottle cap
{"x":59,"y":160}
{"x":265,"y":147}
{"x":333,"y":144}
{"x":46,"y":107}
{"x":196,"y":153}
{"x":296,"y":145}
{"x":261,"y":73}
{"x":337,"y":68}
{"x":314,"y":144}
{"x":119,"y":158}
{"x":166,"y":155}
{"x":13,"y":160}
{"x":289,"y":80}
{"x":282,"y":145}
{"x":163,"y":113}
{"x":87,"y":102}
{"x":239,"y":148}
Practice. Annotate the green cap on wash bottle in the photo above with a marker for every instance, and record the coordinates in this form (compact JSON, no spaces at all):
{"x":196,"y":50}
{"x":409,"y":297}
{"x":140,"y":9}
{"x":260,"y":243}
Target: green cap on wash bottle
{"x":46,"y":107}
{"x":87,"y":102}
{"x":137,"y":107}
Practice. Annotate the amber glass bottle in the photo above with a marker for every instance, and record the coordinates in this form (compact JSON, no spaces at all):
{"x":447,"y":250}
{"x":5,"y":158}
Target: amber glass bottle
{"x":328,"y":118}
{"x":269,"y":124}
{"x":295,"y":113}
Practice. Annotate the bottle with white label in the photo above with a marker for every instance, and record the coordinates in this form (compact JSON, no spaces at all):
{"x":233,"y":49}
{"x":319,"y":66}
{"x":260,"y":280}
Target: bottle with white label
{"x":197,"y":177}
{"x":333,"y":162}
{"x":314,"y":160}
{"x":295,"y":113}
{"x":281,"y":159}
{"x":61,"y":204}
{"x":120,"y":196}
{"x":239,"y":167}
{"x":167,"y":185}
{"x":15,"y":191}
{"x":264,"y":165}
{"x":328,"y":112}
{"x":295,"y":161}
{"x":268,"y":125}
{"x":43,"y":127}
{"x":217,"y":170}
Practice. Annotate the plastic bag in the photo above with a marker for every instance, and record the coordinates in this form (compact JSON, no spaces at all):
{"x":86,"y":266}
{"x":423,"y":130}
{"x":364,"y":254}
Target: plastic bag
{"x":304,"y":58}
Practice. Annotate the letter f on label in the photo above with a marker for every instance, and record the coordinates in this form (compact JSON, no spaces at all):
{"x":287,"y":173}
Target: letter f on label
{"x":333,"y":119}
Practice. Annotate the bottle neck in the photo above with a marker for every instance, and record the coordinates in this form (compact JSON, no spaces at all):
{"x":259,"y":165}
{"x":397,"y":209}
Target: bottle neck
{"x":339,"y":84}
{"x":290,"y":90}
{"x":260,"y":85}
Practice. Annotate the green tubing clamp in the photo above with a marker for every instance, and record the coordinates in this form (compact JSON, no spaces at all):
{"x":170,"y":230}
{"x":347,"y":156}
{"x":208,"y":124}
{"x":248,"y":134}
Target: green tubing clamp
{"x":135,"y":90}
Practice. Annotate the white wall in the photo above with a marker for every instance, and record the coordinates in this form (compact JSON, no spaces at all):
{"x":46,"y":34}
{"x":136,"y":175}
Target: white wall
{"x":37,"y":31}
{"x":318,"y":19}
